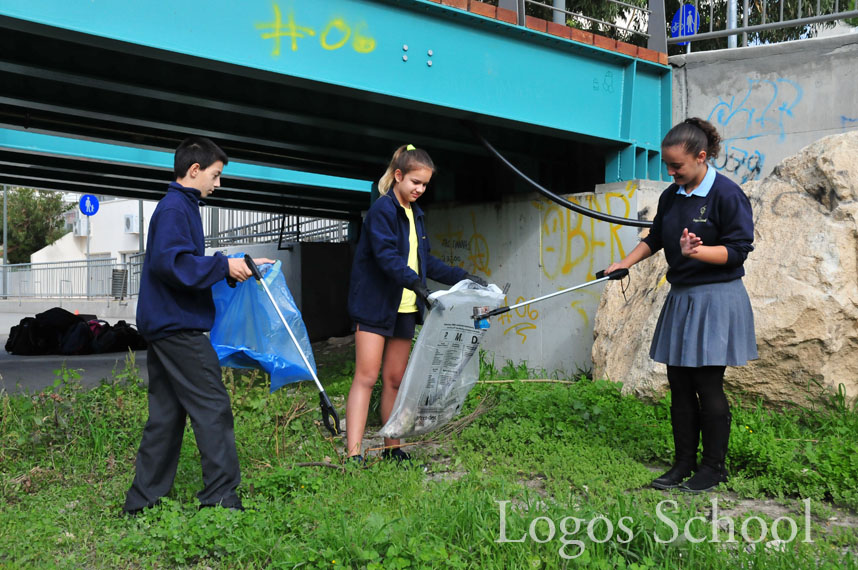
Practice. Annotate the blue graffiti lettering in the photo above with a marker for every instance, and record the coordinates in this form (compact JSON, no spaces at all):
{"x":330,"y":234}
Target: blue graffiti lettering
{"x":844,"y":121}
{"x":763,"y":110}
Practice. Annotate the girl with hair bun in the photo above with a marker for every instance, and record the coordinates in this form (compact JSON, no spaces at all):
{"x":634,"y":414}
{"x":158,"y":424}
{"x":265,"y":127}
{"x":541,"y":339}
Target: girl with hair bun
{"x":705,"y":226}
{"x":387,"y":292}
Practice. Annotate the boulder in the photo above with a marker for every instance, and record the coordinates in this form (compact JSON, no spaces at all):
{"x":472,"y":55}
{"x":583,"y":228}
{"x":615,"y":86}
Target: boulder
{"x":802,"y":279}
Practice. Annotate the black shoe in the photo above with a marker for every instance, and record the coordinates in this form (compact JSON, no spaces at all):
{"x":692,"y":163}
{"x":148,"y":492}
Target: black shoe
{"x":706,"y":479}
{"x":356,"y":460}
{"x":396,"y":454}
{"x":131,"y":513}
{"x":673,"y":477}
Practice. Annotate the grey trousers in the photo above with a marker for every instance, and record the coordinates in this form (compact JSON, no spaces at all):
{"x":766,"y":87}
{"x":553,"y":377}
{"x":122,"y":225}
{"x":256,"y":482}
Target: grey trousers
{"x":185,"y":380}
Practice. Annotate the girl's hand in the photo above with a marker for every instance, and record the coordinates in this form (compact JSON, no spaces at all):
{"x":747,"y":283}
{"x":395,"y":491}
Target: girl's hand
{"x":689,"y":242}
{"x":614,"y":266}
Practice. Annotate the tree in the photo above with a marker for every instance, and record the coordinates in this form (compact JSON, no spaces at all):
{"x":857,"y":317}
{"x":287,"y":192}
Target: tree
{"x":35,"y":220}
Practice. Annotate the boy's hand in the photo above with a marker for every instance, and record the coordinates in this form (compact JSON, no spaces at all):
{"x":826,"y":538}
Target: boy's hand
{"x":238,"y":269}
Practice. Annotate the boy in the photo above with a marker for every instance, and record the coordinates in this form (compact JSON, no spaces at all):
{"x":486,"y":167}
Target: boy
{"x":174,"y":311}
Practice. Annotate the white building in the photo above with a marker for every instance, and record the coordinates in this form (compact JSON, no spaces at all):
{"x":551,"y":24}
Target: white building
{"x":114,"y":232}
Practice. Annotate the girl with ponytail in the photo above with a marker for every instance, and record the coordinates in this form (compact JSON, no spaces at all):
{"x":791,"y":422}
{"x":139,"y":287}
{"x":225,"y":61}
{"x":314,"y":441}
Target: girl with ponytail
{"x":388,"y":293}
{"x":705,"y":226}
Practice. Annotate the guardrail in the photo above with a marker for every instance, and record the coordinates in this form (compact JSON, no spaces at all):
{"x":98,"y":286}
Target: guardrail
{"x":632,"y":20}
{"x":743,"y":17}
{"x":272,"y":228}
{"x":96,"y":277}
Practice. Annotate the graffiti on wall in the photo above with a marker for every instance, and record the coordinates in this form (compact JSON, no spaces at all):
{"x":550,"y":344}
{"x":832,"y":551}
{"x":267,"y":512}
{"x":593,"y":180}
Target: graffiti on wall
{"x":568,"y":240}
{"x":764,"y":109}
{"x":469,"y":252}
{"x":848,"y":122}
{"x":520,"y":321}
{"x":332,"y":35}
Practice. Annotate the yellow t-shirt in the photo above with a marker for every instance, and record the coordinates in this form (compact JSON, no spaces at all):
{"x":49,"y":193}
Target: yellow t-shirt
{"x":408,"y":304}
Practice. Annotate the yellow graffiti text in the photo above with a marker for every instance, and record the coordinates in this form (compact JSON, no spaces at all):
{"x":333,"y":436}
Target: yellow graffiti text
{"x":568,"y":239}
{"x":335,"y":34}
{"x":520,"y":320}
{"x":478,"y":250}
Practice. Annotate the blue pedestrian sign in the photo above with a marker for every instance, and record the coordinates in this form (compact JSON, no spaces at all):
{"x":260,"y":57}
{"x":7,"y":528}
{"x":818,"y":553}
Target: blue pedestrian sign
{"x":685,"y":22}
{"x":88,"y":205}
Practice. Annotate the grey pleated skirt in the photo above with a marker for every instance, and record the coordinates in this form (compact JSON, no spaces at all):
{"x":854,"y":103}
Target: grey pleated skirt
{"x":705,"y":325}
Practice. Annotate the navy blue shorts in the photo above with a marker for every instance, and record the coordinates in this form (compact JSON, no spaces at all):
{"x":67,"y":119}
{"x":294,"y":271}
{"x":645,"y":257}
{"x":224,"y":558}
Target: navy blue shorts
{"x":402,"y":328}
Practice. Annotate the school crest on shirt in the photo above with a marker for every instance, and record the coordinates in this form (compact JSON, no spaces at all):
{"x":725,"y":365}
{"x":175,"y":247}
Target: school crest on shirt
{"x":701,"y":219}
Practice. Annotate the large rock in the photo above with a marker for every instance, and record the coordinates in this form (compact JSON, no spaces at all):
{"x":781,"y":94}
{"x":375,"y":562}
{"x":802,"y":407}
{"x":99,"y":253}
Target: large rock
{"x":802,"y":279}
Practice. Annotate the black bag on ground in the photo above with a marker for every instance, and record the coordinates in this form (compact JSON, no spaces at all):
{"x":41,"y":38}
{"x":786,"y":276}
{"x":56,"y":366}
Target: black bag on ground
{"x":22,"y":337}
{"x":52,"y":327}
{"x":119,"y":338}
{"x":77,"y":339}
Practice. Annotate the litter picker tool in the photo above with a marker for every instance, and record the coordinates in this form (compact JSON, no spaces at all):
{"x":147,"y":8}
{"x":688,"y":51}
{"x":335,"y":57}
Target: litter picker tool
{"x":481,"y":319}
{"x":329,"y":414}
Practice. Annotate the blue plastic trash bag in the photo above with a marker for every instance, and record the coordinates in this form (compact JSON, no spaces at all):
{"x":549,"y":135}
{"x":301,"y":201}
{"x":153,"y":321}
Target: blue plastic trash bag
{"x":248,"y":333}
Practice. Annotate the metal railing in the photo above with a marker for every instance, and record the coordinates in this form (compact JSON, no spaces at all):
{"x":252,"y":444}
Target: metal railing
{"x":634,"y":24}
{"x":764,"y":15}
{"x":106,"y":277}
{"x":315,"y":230}
{"x":62,"y":279}
{"x":266,"y":228}
{"x":135,"y":269}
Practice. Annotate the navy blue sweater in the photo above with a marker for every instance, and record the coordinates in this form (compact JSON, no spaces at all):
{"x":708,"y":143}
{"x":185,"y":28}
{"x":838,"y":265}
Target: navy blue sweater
{"x":722,"y":217}
{"x":175,"y":287}
{"x":380,"y":269}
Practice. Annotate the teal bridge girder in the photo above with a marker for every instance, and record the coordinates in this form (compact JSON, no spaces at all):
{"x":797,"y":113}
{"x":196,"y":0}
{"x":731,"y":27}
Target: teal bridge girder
{"x":327,"y":88}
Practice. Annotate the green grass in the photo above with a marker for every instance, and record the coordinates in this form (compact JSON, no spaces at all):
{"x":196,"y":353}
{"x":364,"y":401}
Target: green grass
{"x":554,"y":451}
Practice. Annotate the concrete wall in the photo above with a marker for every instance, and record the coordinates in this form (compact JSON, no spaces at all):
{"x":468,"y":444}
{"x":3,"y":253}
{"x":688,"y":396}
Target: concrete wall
{"x":768,"y":102}
{"x":538,"y":248}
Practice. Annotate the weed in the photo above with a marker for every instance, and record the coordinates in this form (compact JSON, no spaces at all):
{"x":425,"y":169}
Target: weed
{"x":552,"y":450}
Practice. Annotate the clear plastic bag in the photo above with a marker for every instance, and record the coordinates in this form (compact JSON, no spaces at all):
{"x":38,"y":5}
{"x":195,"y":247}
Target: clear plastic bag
{"x":248,"y":333}
{"x":442,"y":368}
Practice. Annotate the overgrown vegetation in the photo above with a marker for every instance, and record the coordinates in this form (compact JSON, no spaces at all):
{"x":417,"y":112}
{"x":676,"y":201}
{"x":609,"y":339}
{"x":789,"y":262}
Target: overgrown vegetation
{"x":519,"y":451}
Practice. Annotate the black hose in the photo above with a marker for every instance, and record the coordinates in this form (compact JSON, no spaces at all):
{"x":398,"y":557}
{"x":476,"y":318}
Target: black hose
{"x":554,"y":197}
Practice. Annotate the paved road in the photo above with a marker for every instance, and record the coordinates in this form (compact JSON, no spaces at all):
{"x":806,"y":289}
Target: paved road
{"x":34,"y":373}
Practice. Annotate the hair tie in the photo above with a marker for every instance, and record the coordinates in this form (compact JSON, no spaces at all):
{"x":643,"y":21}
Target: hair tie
{"x":410,"y":147}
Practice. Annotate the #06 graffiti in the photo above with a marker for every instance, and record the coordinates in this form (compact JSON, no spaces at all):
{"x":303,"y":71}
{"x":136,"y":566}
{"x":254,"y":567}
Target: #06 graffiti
{"x":337,"y":33}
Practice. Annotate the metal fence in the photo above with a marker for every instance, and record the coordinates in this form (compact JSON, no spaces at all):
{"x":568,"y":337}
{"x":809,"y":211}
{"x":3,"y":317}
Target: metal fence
{"x":713,"y":19}
{"x":262,"y":227}
{"x":107,"y":277}
{"x":225,"y":226}
{"x":631,"y":20}
{"x":743,"y":17}
{"x":72,"y":279}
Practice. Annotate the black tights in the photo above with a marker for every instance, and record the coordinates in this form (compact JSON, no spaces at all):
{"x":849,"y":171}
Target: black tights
{"x":698,"y":389}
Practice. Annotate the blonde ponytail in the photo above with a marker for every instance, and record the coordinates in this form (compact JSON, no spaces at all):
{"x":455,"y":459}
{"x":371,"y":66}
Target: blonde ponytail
{"x":405,"y":159}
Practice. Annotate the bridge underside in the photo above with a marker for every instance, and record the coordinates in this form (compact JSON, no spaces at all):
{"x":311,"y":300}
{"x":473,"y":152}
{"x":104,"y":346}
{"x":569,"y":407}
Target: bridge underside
{"x":65,"y":76}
